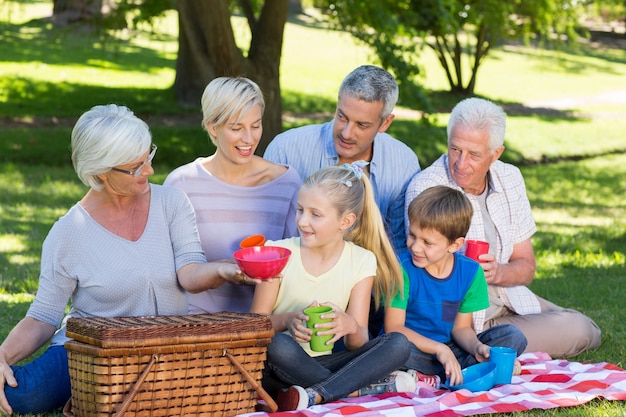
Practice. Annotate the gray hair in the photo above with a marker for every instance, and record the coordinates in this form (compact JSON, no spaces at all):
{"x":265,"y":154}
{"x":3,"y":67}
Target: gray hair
{"x":371,"y":84}
{"x":106,"y":136}
{"x":226,"y":97}
{"x":480,"y":114}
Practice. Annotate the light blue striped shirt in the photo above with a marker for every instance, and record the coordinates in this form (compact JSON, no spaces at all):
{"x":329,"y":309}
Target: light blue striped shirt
{"x":393,"y":165}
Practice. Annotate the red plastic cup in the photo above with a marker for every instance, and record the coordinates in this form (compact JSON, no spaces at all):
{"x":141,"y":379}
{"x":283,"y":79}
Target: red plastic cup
{"x":475,"y":248}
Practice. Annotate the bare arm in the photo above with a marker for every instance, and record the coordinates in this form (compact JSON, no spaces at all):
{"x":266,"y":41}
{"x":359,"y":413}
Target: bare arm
{"x":520,"y":270}
{"x":25,"y":338}
{"x":263,"y":303}
{"x":198,"y":277}
{"x":464,"y":335}
{"x":353,"y":323}
{"x":395,"y":322}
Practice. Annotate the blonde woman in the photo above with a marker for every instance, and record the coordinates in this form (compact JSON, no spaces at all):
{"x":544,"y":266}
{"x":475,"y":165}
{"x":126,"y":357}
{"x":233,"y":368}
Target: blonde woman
{"x":234,"y":192}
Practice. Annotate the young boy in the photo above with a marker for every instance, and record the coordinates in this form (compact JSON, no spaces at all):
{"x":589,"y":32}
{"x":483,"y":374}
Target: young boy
{"x":441,"y":291}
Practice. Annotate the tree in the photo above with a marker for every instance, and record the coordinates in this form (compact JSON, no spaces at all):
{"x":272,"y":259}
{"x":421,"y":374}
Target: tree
{"x":206,"y":44}
{"x":66,"y":12}
{"x":207,"y":49}
{"x":453,"y":29}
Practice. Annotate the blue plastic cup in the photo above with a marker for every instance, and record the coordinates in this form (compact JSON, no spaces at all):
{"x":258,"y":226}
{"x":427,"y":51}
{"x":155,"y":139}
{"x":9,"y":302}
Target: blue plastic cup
{"x":504,"y":358}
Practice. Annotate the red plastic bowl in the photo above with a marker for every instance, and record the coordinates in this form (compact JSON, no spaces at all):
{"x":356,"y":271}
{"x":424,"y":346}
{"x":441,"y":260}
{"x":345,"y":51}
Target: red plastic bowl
{"x":262,"y":262}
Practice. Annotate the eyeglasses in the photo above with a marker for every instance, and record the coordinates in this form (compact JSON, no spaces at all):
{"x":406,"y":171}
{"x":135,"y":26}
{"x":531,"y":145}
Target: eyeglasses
{"x":137,"y":172}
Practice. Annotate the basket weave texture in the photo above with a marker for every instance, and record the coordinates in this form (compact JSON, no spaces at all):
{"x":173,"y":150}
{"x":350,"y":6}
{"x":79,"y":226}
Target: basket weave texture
{"x":187,"y":363}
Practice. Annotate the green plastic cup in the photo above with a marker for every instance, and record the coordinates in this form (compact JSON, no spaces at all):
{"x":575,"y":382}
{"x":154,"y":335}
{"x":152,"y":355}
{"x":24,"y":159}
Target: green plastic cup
{"x":318,"y":343}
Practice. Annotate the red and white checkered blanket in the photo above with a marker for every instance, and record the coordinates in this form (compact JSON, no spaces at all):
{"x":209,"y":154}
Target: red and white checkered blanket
{"x":544,"y":383}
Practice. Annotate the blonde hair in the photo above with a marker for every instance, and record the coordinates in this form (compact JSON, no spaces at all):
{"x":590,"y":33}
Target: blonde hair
{"x":351,"y":192}
{"x":227,"y":97}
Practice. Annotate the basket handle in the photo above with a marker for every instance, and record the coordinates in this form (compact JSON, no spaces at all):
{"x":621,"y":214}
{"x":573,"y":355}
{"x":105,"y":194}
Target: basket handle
{"x":253,"y":382}
{"x":133,"y":390}
{"x":67,"y":408}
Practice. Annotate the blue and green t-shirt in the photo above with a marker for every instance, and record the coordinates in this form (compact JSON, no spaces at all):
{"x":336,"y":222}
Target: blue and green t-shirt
{"x":432,"y":304}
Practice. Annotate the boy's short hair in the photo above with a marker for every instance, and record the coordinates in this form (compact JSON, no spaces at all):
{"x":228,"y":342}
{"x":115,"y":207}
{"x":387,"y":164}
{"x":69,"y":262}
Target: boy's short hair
{"x":444,"y":209}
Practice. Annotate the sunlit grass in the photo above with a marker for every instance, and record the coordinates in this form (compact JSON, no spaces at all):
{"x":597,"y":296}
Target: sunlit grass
{"x":578,"y":205}
{"x":20,"y":12}
{"x":93,"y":72}
{"x":16,"y":298}
{"x":522,"y":74}
{"x":32,"y":199}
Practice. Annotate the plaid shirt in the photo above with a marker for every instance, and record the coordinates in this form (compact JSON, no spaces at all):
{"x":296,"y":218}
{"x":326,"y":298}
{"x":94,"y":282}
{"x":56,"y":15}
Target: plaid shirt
{"x":511,"y":214}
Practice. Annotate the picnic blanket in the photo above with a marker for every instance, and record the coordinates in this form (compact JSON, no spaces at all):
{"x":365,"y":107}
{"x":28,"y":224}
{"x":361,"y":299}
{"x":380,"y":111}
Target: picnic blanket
{"x":544,"y":383}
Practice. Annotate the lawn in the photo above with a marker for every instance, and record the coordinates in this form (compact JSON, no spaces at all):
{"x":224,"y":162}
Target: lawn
{"x":567,"y":116}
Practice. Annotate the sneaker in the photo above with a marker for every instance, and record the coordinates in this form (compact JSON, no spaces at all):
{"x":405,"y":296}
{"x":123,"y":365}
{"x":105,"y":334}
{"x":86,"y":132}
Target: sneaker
{"x":397,"y":381}
{"x":432,"y":380}
{"x":294,"y":398}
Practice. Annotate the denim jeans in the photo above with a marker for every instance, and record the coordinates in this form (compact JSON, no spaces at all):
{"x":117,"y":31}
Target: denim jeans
{"x":43,"y":384}
{"x":503,"y":335}
{"x":335,"y":375}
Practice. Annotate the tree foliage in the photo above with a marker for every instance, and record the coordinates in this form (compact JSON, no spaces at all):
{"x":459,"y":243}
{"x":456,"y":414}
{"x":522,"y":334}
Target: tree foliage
{"x":460,"y":32}
{"x":208,"y":49}
{"x":207,"y":46}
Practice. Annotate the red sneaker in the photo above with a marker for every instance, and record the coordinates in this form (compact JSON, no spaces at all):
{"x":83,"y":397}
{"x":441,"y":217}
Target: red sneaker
{"x":293,"y":398}
{"x":432,"y":380}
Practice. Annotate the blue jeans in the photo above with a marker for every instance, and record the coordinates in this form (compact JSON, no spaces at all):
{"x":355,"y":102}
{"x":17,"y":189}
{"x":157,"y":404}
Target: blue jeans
{"x":43,"y":384}
{"x":336,"y":375}
{"x":504,"y":335}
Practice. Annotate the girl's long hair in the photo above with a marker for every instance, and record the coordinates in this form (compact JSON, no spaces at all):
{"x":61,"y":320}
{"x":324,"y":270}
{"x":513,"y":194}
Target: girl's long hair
{"x":351,"y":192}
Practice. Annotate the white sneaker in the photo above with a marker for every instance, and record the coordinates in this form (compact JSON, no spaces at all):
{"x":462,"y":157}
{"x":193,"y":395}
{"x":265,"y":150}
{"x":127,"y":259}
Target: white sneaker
{"x":397,"y":381}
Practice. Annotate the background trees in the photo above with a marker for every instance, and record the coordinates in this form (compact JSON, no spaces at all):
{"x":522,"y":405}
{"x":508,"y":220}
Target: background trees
{"x":207,"y":47}
{"x":460,"y":32}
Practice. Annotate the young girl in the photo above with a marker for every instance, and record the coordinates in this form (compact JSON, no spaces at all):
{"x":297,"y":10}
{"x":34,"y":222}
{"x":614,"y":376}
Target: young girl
{"x":333,"y":263}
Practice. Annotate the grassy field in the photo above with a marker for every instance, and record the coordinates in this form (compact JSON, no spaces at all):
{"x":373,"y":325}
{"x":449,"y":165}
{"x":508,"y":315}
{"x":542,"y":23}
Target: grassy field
{"x":567,"y":118}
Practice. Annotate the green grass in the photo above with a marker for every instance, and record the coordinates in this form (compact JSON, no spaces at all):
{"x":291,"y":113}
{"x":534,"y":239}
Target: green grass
{"x":573,"y":158}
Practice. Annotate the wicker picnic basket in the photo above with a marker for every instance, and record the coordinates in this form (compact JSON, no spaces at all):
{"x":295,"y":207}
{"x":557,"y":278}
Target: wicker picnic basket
{"x":195,"y":365}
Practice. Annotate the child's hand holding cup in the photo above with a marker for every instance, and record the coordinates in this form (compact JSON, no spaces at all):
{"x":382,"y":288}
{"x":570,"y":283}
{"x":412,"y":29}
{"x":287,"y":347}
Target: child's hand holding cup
{"x":318,"y":343}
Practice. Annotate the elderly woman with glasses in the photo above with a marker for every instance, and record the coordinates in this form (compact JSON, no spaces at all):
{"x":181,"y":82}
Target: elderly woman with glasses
{"x":127,"y":248}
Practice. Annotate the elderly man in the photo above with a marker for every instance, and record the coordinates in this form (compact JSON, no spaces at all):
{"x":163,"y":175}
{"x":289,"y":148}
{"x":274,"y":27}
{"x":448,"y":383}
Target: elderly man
{"x":503,"y":217}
